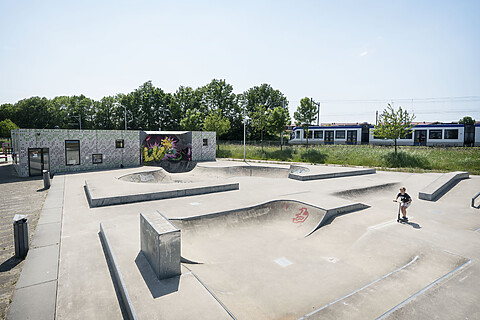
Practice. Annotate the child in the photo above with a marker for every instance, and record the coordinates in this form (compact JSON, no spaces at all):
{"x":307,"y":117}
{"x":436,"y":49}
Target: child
{"x":405,"y":202}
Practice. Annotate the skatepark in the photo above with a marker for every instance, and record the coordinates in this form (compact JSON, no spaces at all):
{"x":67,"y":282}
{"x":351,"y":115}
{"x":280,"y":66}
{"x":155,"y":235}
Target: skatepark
{"x":257,"y":241}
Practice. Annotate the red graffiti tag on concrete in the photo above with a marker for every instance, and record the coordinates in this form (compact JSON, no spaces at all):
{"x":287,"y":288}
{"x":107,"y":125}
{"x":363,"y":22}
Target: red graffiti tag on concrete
{"x":301,"y":216}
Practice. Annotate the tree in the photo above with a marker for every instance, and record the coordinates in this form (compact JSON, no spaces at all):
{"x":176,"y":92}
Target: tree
{"x":5,"y":127}
{"x":467,"y":120}
{"x":258,"y":119}
{"x":394,"y":124}
{"x":192,"y":121}
{"x":306,"y":114}
{"x":278,"y":118}
{"x":217,"y":122}
{"x":261,"y":97}
{"x":218,"y":95}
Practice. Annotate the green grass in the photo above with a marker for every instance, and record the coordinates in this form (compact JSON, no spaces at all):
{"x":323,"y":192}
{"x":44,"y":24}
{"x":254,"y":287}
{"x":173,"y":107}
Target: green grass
{"x":411,"y":159}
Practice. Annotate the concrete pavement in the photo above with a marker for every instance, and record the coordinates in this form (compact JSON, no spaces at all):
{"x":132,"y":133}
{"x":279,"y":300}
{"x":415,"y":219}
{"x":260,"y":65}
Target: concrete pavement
{"x":360,"y":265}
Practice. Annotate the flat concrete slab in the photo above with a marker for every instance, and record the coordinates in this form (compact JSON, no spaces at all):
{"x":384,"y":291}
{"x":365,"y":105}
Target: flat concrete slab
{"x":41,"y":266}
{"x":34,"y":302}
{"x":47,"y":234}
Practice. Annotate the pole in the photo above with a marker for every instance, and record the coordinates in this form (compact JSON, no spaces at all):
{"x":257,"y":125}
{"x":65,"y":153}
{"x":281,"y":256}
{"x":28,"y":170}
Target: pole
{"x":80,"y":121}
{"x":125,"y":108}
{"x":244,"y":137}
{"x":376,"y":118}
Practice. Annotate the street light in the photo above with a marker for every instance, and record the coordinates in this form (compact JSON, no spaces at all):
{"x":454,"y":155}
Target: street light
{"x":245,"y":120}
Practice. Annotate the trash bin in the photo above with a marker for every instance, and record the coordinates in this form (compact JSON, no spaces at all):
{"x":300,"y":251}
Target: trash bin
{"x":46,"y":179}
{"x":20,"y":235}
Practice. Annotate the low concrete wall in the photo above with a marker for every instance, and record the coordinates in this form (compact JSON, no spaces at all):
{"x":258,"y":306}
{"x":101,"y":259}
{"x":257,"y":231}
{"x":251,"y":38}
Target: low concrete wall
{"x":161,"y":244}
{"x":441,"y":185}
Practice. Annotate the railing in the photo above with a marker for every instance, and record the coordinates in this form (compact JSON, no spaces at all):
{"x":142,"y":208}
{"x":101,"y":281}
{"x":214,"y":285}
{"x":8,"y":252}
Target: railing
{"x":473,"y":200}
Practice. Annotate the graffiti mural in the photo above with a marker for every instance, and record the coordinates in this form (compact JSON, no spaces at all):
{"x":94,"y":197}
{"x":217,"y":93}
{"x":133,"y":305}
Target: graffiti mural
{"x":158,"y":147}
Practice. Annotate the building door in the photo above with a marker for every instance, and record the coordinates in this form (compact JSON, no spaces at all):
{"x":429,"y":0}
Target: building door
{"x":420,"y":138}
{"x":351,"y":137}
{"x":38,"y":160}
{"x":329,"y":137}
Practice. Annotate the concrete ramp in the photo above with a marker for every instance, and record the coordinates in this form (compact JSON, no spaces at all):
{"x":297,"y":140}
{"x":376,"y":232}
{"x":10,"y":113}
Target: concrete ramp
{"x":293,"y":218}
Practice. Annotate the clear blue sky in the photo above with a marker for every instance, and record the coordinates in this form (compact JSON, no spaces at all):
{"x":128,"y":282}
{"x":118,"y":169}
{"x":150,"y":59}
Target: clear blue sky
{"x":328,"y":50}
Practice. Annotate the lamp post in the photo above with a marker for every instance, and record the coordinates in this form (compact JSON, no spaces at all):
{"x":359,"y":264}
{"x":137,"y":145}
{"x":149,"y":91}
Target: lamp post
{"x":245,"y":120}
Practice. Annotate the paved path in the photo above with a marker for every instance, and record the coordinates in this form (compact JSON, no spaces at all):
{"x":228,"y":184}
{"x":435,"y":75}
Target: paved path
{"x":17,"y":196}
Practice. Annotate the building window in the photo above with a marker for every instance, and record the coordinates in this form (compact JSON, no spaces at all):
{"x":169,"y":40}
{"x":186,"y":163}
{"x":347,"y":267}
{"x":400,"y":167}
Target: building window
{"x":119,"y":143}
{"x":72,"y":152}
{"x":435,"y":134}
{"x":97,"y":158}
{"x":318,"y":134}
{"x":340,"y":134}
{"x":451,"y":133}
{"x":205,"y":142}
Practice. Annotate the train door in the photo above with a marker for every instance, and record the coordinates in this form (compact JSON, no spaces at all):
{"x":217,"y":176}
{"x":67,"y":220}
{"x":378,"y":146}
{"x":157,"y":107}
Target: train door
{"x":469,"y":135}
{"x":38,"y":160}
{"x":329,"y":137}
{"x":420,"y":138}
{"x":351,"y":137}
{"x":365,"y":133}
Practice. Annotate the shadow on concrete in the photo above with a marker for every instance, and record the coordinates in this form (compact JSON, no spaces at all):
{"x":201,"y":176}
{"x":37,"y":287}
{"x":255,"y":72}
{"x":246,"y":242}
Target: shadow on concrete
{"x":413,"y":225}
{"x":158,"y":288}
{"x":9,"y":264}
{"x":118,"y":293}
{"x":9,"y":175}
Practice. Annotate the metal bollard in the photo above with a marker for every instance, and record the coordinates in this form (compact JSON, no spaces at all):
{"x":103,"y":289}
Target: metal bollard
{"x":46,"y":179}
{"x":20,"y":235}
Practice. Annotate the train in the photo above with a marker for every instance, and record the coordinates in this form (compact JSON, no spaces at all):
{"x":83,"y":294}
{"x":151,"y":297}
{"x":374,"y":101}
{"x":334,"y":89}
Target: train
{"x":423,"y":134}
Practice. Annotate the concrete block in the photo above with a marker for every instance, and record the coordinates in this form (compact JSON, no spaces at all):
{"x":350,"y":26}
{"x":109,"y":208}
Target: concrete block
{"x":160,"y":243}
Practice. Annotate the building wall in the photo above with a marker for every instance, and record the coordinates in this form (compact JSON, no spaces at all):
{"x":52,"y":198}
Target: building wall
{"x":91,"y":142}
{"x":201,"y":152}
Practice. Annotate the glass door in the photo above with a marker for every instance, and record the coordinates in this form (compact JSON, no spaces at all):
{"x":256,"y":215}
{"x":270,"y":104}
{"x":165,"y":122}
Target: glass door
{"x":329,"y":139}
{"x":38,"y":160}
{"x":420,"y":138}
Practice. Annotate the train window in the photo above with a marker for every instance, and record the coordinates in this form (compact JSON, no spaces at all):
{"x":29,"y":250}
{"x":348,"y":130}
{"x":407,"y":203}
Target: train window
{"x":340,"y":134}
{"x":451,"y":133}
{"x":297,"y":133}
{"x":406,"y":136}
{"x":435,"y":134}
{"x":309,"y":134}
{"x":318,"y":134}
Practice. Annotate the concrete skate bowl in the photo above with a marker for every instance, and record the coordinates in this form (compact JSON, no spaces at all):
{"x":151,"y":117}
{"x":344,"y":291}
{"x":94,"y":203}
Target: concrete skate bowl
{"x":200,"y":174}
{"x":249,"y":171}
{"x":292,"y":219}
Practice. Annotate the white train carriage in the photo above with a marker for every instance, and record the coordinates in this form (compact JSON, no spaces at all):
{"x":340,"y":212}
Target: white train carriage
{"x":427,"y":135}
{"x":476,"y":142}
{"x":328,"y":135}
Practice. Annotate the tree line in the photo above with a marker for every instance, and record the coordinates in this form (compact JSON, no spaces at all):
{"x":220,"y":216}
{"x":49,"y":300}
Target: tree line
{"x":213,"y":107}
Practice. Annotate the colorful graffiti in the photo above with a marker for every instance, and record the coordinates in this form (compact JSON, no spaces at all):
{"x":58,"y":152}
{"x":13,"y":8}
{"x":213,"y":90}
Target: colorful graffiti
{"x":158,"y":148}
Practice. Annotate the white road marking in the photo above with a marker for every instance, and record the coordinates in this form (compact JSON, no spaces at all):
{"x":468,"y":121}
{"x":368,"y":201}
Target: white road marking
{"x":284,"y":262}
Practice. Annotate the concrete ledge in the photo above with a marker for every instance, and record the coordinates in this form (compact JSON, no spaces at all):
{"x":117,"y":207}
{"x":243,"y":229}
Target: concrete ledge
{"x":306,"y":176}
{"x":99,"y":201}
{"x":442,"y":185}
{"x":118,"y":278}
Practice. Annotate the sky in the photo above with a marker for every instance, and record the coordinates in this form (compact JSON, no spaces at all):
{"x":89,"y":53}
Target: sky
{"x":353,"y":57}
